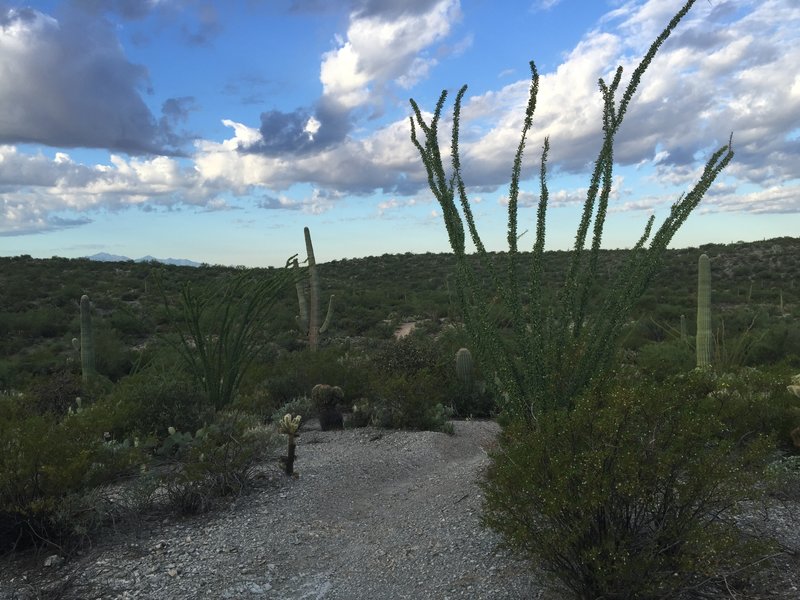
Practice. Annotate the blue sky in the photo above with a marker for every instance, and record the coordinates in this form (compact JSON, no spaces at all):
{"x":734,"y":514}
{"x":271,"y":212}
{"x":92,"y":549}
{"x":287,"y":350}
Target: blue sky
{"x":216,"y":130}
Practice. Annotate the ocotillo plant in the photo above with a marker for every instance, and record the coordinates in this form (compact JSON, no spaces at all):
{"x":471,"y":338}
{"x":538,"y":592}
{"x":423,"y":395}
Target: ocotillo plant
{"x":556,"y":349}
{"x":309,"y":311}
{"x":703,"y":343}
{"x":87,"y":340}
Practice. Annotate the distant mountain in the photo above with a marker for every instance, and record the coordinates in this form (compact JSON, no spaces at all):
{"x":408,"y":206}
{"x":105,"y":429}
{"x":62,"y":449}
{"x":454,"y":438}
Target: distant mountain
{"x":106,"y":257}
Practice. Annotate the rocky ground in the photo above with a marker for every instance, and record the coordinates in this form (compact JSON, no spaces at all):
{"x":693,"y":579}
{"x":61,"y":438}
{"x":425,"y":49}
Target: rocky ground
{"x":373,"y":514}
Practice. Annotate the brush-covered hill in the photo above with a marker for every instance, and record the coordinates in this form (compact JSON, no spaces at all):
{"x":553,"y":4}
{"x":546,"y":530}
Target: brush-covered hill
{"x":754,"y":285}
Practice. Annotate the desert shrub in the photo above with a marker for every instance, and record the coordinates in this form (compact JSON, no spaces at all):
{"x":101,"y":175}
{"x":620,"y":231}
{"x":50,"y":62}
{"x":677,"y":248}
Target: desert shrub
{"x":632,"y":494}
{"x":748,"y":401}
{"x":255,"y":401}
{"x":295,"y":374}
{"x":113,"y":358}
{"x":301,"y":405}
{"x":54,"y":393}
{"x":777,"y":341}
{"x":784,"y":477}
{"x":664,"y":359}
{"x":218,"y":460}
{"x":52,"y":471}
{"x":159,"y":397}
{"x":413,"y":401}
{"x":362,"y":415}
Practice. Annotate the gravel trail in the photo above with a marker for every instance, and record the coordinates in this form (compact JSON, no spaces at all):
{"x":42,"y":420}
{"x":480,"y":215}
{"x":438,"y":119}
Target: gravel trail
{"x":373,"y":514}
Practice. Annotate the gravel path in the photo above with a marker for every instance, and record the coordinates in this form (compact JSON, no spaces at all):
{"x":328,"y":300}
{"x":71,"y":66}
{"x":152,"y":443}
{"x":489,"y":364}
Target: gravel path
{"x":373,"y":514}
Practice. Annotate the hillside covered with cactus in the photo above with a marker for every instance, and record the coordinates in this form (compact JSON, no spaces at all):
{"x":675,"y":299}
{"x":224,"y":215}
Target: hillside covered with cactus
{"x":754,"y":284}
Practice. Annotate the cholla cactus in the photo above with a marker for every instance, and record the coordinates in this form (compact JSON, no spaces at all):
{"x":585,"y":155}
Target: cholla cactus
{"x":289,"y":426}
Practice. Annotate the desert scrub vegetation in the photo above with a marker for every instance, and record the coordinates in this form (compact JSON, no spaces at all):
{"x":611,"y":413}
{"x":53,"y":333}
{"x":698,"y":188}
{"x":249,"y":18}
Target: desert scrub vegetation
{"x":68,"y":443}
{"x":619,"y":489}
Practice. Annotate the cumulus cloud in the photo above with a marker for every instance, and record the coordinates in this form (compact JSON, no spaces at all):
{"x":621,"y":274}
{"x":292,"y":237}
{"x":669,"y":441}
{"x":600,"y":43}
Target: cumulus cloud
{"x":784,"y":199}
{"x":318,"y":202}
{"x":37,"y":192}
{"x":385,"y":45}
{"x":68,"y":84}
{"x":724,"y":71}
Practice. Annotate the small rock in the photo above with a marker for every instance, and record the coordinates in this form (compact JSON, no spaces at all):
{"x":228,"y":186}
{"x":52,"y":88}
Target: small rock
{"x":53,"y":561}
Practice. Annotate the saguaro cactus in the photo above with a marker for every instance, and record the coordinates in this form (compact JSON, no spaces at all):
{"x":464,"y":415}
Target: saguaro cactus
{"x":309,"y":311}
{"x":703,"y":343}
{"x":87,"y":340}
{"x":464,"y":366}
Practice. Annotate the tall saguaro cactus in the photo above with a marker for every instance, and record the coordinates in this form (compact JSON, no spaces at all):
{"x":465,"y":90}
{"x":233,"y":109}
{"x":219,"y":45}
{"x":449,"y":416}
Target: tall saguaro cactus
{"x":703,"y":344}
{"x":87,"y":339}
{"x":309,"y":311}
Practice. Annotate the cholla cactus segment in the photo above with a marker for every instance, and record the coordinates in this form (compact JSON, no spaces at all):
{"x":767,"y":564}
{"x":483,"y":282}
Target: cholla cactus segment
{"x":289,"y":425}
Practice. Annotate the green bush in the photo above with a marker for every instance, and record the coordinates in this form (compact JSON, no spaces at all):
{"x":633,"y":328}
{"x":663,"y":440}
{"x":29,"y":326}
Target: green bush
{"x":784,"y":478}
{"x":749,"y":402}
{"x":54,"y":393}
{"x":302,"y":406}
{"x":53,"y":470}
{"x":294,"y":374}
{"x":632,"y":494}
{"x":219,"y":460}
{"x":411,"y":402}
{"x":660,"y":360}
{"x":157,"y":398}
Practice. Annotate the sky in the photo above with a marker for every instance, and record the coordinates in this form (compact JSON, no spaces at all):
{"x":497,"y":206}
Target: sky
{"x":215,"y":130}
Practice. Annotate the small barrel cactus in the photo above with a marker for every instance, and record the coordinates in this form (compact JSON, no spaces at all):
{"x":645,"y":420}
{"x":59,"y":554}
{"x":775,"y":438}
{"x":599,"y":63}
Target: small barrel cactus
{"x":326,"y":400}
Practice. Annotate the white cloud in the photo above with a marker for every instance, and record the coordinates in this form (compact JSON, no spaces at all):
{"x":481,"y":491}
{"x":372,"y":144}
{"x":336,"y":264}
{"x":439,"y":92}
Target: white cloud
{"x":784,"y":199}
{"x":379,"y":51}
{"x":725,"y":70}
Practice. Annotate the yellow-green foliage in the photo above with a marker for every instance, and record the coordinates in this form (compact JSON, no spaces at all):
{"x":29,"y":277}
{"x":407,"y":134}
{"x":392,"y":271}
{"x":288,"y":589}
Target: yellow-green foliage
{"x":218,"y":460}
{"x":47,"y":460}
{"x":632,"y":494}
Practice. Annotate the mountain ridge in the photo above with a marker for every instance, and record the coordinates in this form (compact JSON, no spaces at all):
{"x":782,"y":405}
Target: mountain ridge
{"x":106,"y":257}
